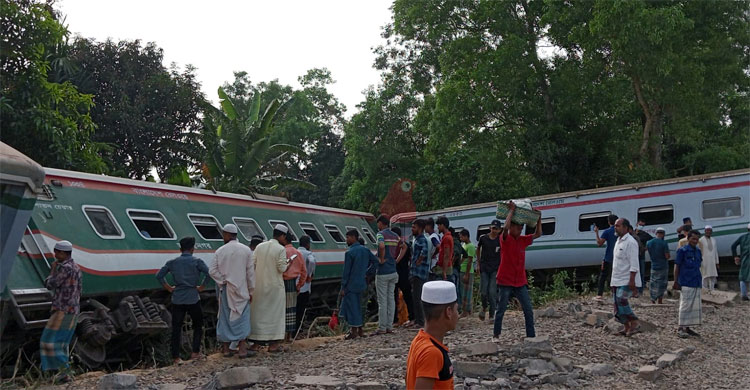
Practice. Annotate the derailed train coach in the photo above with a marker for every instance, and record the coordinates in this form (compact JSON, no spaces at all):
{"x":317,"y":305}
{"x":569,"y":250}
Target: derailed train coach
{"x":123,"y":232}
{"x":718,"y":199}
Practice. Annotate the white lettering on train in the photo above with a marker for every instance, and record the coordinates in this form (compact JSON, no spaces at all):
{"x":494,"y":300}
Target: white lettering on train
{"x":160,"y":194}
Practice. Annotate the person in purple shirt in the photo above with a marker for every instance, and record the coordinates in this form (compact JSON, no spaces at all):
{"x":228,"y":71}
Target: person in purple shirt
{"x":608,"y":237}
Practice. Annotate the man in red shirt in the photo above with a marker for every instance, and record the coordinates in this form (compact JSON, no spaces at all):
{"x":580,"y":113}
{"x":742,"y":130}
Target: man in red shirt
{"x":445,"y":257}
{"x":511,"y":276}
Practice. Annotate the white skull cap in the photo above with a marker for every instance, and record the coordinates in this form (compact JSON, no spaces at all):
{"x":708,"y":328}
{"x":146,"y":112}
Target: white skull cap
{"x":281,"y":228}
{"x":439,"y":292}
{"x":660,"y":229}
{"x":64,"y":246}
{"x":230,"y":228}
{"x":708,"y":227}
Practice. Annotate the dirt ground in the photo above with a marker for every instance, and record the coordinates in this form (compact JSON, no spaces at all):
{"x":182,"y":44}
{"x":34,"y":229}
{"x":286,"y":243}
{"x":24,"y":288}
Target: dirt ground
{"x":721,"y":359}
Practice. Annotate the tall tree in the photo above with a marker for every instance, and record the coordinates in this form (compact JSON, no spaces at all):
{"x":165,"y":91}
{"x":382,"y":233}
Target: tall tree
{"x":682,"y":59}
{"x":148,"y":114}
{"x":47,"y":120}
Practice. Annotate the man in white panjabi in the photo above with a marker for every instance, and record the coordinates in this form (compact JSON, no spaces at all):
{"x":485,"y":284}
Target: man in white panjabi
{"x":268,"y":318}
{"x":710,"y":264}
{"x":233,"y":270}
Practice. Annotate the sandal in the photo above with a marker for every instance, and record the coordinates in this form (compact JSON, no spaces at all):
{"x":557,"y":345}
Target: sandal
{"x":378,"y":333}
{"x":351,"y":336}
{"x":278,"y":349}
{"x":692,"y":332}
{"x":229,"y":354}
{"x":247,"y":354}
{"x":389,"y":331}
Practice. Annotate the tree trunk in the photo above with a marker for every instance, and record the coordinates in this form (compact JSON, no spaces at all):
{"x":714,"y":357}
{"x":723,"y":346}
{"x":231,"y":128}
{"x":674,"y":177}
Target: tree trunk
{"x":657,"y":136}
{"x":653,"y":130}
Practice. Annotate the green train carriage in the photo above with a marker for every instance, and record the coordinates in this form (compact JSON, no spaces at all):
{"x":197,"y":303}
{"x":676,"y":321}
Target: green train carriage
{"x":124,"y":230}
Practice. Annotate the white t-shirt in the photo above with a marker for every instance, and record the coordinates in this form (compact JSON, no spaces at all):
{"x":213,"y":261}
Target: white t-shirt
{"x":625,"y":261}
{"x":310,"y":263}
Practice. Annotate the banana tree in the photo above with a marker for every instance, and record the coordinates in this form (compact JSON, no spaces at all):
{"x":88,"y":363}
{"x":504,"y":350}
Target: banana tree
{"x":239,"y":152}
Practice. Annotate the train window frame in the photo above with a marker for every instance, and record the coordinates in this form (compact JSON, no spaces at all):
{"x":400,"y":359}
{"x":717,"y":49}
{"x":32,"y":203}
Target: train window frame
{"x":359,"y":231}
{"x":328,"y":228}
{"x":274,"y":222}
{"x":238,"y":220}
{"x":716,"y":200}
{"x":317,"y":231}
{"x":547,"y":220}
{"x":111,"y":218}
{"x":218,"y":226}
{"x":163,"y":218}
{"x":369,"y":235}
{"x":598,"y":214}
{"x":654,"y":209}
{"x":482,"y":230}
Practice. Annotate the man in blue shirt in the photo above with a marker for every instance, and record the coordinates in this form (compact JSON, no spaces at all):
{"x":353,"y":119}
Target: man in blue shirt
{"x":608,"y":237}
{"x":420,"y":269}
{"x":186,"y":271}
{"x":353,"y":283}
{"x":658,"y":249}
{"x":688,"y":279}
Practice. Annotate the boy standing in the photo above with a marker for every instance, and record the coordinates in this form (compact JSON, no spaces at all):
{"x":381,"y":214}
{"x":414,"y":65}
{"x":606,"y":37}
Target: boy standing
{"x":687,"y":276}
{"x":428,"y":365}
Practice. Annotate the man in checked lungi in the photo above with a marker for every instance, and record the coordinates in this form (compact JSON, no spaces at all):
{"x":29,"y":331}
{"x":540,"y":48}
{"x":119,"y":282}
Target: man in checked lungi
{"x":688,"y":279}
{"x":294,"y":278}
{"x":65,"y":282}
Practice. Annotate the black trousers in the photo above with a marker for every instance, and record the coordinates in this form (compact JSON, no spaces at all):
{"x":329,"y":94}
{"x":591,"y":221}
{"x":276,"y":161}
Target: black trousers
{"x":302,"y":300}
{"x":178,"y":317}
{"x":416,"y":296}
{"x":604,"y":274}
{"x":405,"y":287}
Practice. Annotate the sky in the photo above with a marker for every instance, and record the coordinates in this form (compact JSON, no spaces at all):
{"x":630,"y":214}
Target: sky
{"x":269,"y":39}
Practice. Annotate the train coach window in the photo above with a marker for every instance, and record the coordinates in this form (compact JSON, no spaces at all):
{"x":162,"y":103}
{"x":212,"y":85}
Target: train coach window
{"x":656,"y":215}
{"x":103,"y":223}
{"x":354,"y":228}
{"x":335,"y":233}
{"x":548,"y":227}
{"x":206,"y":225}
{"x":311,"y":231}
{"x":369,"y":235}
{"x":151,"y":225}
{"x":586,"y":222}
{"x":722,"y":208}
{"x":248,"y":227}
{"x":290,"y":234}
{"x":482,"y":230}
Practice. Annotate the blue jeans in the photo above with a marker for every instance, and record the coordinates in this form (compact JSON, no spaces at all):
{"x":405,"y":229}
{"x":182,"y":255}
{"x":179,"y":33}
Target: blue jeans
{"x":488,"y":290}
{"x":522,"y":294}
{"x":743,"y":288}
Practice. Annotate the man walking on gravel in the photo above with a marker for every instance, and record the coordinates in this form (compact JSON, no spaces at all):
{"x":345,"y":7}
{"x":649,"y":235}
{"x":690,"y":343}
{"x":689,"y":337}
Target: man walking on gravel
{"x":511,"y":275}
{"x":488,"y":259}
{"x":428,"y":365}
{"x":626,"y":276}
{"x":687,"y":276}
{"x":233,"y":270}
{"x":743,"y":260}
{"x":658,"y":249}
{"x":608,"y":237}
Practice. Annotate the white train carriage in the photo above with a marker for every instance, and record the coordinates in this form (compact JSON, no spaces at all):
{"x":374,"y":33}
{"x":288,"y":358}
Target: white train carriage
{"x":717,"y":199}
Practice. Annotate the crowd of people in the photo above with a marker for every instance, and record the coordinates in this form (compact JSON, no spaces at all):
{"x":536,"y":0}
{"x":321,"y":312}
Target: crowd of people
{"x":263,"y":288}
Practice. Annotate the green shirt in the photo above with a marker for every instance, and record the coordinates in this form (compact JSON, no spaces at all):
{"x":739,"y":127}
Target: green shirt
{"x":471,"y":252}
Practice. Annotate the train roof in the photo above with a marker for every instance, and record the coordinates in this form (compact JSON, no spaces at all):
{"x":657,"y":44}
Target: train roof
{"x":257,"y":198}
{"x":406,"y":217}
{"x":15,"y":166}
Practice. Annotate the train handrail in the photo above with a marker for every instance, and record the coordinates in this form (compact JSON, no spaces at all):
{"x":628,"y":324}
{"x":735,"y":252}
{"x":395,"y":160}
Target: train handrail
{"x":38,"y":247}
